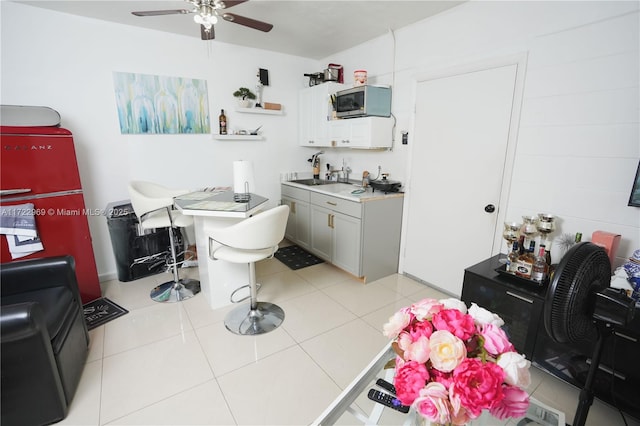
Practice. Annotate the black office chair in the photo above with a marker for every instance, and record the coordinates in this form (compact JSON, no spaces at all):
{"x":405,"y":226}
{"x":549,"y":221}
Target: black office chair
{"x":43,"y":342}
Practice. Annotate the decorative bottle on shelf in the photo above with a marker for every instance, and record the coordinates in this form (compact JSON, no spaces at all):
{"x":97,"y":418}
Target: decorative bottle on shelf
{"x":512,"y":259}
{"x":578,"y":237}
{"x":547,"y":253}
{"x":539,"y":270}
{"x":525,"y":262}
{"x":222,"y":119}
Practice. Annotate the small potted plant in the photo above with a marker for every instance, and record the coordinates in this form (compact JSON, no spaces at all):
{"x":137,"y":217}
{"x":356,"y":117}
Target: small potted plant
{"x":244,"y":96}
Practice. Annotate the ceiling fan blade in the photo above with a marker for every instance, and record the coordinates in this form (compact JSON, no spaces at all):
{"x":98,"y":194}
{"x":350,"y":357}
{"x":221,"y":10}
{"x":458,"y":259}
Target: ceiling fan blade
{"x":161,"y":12}
{"x":207,"y":34}
{"x":226,"y":4}
{"x":247,"y":22}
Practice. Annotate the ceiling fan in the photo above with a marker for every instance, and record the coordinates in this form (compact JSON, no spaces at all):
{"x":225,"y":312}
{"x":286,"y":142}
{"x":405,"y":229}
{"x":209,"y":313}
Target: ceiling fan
{"x":207,"y":13}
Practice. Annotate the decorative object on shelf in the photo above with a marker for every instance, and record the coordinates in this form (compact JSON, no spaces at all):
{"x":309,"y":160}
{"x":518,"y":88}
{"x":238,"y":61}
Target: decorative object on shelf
{"x":452,"y":362}
{"x":244,"y":96}
{"x":359,"y":77}
{"x":546,"y":225}
{"x":511,"y":233}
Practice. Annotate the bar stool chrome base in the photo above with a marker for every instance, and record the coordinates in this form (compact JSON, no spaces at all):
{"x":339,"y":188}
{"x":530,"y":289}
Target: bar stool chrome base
{"x":173,"y":291}
{"x":245,"y":321}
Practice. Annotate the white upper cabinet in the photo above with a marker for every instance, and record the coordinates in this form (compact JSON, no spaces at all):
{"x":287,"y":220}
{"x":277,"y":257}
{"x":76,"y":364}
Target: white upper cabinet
{"x":364,"y":132}
{"x":315,"y":113}
{"x":316,"y":127}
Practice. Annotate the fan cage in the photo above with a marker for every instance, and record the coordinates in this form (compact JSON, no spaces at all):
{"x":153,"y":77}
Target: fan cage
{"x":584,"y":270}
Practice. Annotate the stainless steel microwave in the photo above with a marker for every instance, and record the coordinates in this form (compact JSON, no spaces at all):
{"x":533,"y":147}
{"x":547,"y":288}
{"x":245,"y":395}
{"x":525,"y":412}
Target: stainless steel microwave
{"x":362,"y":101}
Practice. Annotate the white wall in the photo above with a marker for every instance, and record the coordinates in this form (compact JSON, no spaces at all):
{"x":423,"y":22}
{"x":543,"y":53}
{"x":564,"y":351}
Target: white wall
{"x":578,"y":142}
{"x":66,"y":62}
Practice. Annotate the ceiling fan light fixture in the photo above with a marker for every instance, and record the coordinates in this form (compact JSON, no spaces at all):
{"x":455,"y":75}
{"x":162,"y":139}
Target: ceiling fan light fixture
{"x":207,"y":20}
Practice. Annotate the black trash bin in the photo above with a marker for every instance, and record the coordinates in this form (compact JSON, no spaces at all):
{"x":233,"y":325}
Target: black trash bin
{"x":138,"y":253}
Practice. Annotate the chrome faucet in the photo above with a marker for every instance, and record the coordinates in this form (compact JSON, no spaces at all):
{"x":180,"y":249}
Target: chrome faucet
{"x":315,"y":163}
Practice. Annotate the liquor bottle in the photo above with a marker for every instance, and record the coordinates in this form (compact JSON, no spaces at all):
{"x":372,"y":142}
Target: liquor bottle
{"x":525,"y":262}
{"x":222,"y":119}
{"x":539,"y":270}
{"x":521,"y":244}
{"x":547,"y":253}
{"x":512,"y":259}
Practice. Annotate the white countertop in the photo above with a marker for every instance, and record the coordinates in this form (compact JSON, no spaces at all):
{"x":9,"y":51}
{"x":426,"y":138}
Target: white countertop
{"x":344,"y":190}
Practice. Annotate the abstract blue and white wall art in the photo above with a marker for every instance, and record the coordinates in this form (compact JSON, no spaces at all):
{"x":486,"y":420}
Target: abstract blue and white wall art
{"x":152,"y":104}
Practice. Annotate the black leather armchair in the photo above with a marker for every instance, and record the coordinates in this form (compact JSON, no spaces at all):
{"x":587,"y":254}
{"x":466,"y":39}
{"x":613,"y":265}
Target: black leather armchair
{"x":44,"y":340}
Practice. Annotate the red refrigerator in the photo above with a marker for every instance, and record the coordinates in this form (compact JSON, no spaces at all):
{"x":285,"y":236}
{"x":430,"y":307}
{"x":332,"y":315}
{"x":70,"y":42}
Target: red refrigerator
{"x":39,"y":166}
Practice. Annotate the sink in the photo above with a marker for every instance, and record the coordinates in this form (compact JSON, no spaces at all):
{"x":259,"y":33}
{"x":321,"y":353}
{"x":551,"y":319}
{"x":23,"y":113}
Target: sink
{"x":314,"y":182}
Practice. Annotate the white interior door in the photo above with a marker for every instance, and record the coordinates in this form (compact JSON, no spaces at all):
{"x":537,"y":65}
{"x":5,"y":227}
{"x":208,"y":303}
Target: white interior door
{"x":460,"y":139}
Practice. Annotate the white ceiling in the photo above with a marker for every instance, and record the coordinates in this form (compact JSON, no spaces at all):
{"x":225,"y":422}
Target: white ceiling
{"x":312,"y":29}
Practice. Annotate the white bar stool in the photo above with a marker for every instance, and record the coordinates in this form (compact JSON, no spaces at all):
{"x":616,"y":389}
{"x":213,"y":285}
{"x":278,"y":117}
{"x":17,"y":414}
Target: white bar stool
{"x":249,"y":241}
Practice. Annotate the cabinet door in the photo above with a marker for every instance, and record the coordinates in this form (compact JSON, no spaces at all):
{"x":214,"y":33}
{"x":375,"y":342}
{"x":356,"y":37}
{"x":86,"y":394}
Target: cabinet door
{"x":346,"y":242}
{"x":339,"y":133}
{"x":321,"y":232}
{"x":297,"y":230}
{"x":290,"y":231}
{"x":303,"y":229}
{"x":306,"y":122}
{"x":522,"y":314}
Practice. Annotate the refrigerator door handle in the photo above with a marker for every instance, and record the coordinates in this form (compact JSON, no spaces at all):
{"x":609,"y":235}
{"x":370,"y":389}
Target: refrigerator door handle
{"x":5,"y":192}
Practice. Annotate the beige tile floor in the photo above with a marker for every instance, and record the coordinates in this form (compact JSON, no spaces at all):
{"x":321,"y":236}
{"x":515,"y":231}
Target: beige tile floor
{"x":176,"y":364}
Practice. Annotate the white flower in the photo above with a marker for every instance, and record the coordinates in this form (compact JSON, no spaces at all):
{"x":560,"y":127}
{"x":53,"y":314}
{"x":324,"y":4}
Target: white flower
{"x":452,"y":303}
{"x":446,"y":351}
{"x":516,"y":369}
{"x":481,"y":316}
{"x":396,"y":324}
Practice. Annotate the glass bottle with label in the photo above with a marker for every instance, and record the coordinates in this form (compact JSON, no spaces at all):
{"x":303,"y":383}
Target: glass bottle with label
{"x":525,"y":262}
{"x":222,"y":120}
{"x":512,"y":259}
{"x":539,"y":270}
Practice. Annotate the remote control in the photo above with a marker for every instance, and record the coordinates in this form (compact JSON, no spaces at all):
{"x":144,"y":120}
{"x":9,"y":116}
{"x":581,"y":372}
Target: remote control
{"x":387,"y":400}
{"x":386,"y":386}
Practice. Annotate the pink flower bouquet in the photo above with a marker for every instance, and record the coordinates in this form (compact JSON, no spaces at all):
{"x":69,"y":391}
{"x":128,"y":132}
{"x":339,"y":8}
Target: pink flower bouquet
{"x":453,"y":363}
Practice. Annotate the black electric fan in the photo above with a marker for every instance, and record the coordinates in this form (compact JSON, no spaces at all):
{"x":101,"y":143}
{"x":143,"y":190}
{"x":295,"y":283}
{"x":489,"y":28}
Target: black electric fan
{"x":580,"y":305}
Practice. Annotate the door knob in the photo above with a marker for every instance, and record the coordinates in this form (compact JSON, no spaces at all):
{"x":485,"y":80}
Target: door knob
{"x":489,"y":208}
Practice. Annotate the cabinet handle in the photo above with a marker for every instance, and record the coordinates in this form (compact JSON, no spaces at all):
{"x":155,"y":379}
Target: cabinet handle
{"x":312,"y":141}
{"x":329,"y":220}
{"x":331,"y":203}
{"x":332,"y":216}
{"x":517,"y":296}
{"x":624,"y":336}
{"x":345,"y":141}
{"x":293,"y":207}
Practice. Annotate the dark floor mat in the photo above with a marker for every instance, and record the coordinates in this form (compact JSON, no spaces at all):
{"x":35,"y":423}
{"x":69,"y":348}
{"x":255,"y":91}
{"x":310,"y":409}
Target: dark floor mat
{"x":101,"y":311}
{"x":296,"y":258}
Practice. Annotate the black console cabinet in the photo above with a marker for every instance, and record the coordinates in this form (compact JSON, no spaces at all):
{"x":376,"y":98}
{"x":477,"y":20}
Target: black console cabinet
{"x":521,"y":307}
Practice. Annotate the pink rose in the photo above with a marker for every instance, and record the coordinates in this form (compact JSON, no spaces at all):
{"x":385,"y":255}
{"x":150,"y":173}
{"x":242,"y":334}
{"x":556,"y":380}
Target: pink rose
{"x":420,"y":328}
{"x":418,"y":350}
{"x":410,"y":377}
{"x":446,"y":350}
{"x":425,"y":309}
{"x":441,"y":377}
{"x":478,"y":385}
{"x":459,"y":414}
{"x":433,"y":403}
{"x":454,"y":321}
{"x":496,"y":341}
{"x":396,"y":324}
{"x":514,"y":403}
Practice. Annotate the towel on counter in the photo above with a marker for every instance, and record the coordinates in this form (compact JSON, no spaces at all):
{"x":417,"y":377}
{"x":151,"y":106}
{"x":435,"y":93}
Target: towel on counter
{"x":18,"y":223}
